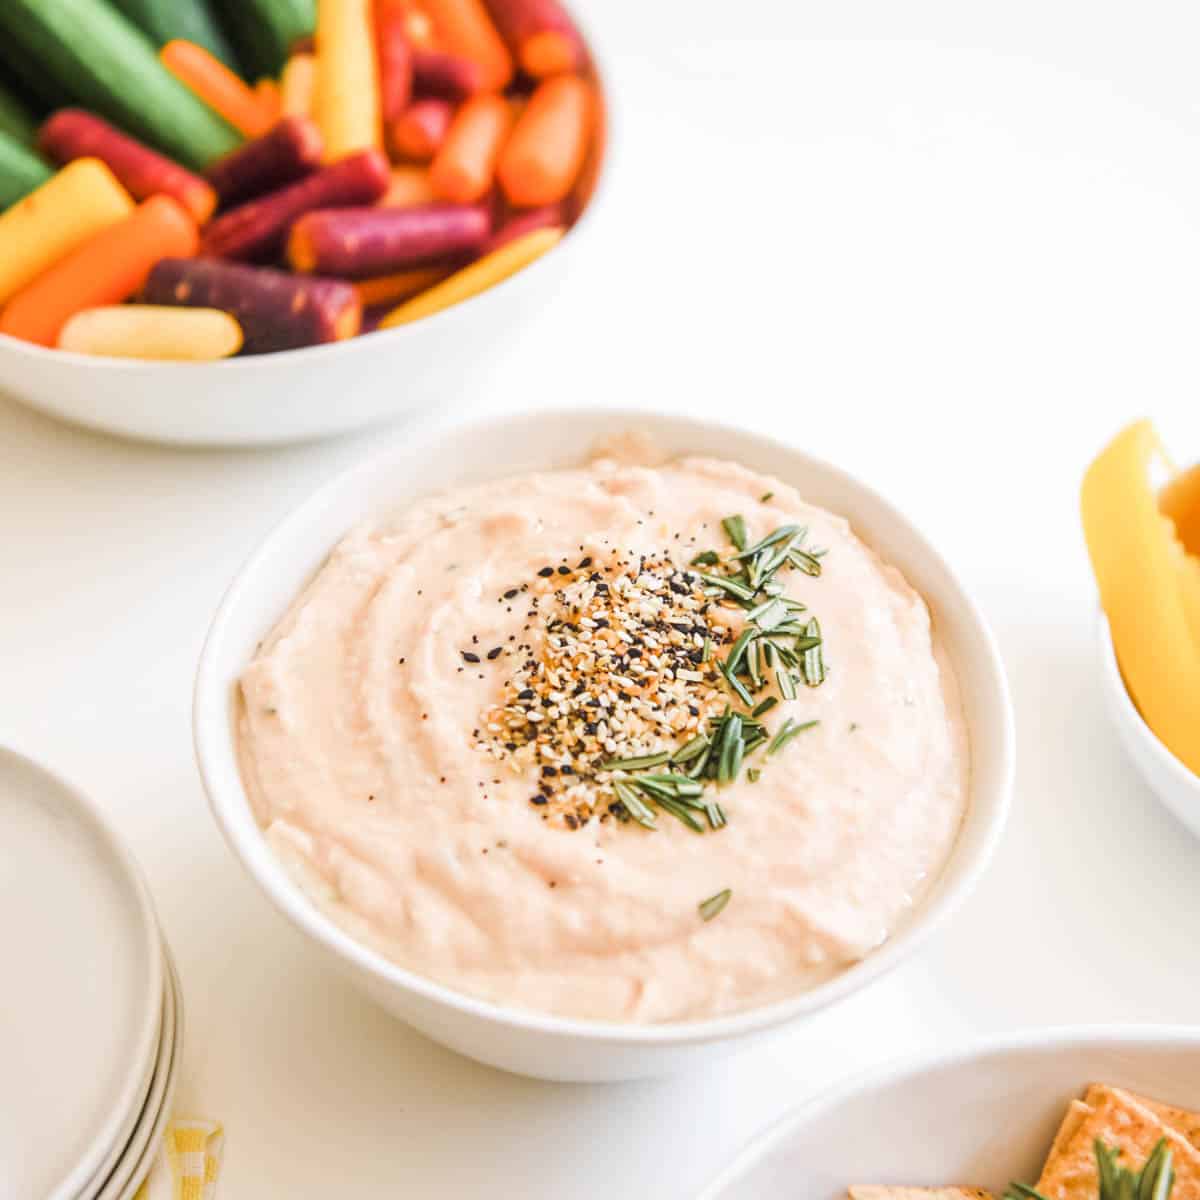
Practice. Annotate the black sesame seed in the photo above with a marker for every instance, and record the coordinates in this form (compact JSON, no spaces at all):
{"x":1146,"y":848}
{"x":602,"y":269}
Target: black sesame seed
{"x":494,"y":652}
{"x":538,"y":799}
{"x":546,"y":572}
{"x":469,"y":657}
{"x":584,"y":563}
{"x":511,"y":593}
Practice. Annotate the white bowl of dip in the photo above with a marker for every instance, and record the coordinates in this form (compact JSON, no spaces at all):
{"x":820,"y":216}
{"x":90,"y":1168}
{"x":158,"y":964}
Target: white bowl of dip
{"x":1168,"y":778}
{"x":447,"y":454}
{"x":981,"y":1115}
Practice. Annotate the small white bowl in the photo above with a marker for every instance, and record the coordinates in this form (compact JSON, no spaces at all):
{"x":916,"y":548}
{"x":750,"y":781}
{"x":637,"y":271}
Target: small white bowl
{"x":983,"y":1114}
{"x":447,"y":454}
{"x":319,"y":391}
{"x":1172,"y":782}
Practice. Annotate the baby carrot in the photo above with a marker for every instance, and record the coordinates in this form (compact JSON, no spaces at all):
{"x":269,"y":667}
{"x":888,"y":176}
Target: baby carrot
{"x":463,"y":27}
{"x":390,"y":289}
{"x":72,"y":133}
{"x":77,"y":202}
{"x":296,"y":85}
{"x":421,"y":129}
{"x":435,"y":73}
{"x":464,"y":165}
{"x":346,"y":103}
{"x":395,"y":61}
{"x":540,"y":35}
{"x":155,"y":331}
{"x":210,"y":79}
{"x":109,"y":267}
{"x":482,"y":274}
{"x":270,"y":97}
{"x":543,"y":155}
{"x":409,"y":187}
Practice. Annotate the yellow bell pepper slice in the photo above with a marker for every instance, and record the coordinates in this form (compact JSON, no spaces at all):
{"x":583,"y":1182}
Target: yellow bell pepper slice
{"x":1149,"y":587}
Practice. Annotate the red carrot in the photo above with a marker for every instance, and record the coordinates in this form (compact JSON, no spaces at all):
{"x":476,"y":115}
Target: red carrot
{"x":395,"y":61}
{"x":291,"y":150}
{"x":539,"y":35}
{"x":547,"y":147}
{"x":359,"y":243}
{"x":447,"y":76}
{"x":258,"y":228}
{"x":421,"y":129}
{"x":72,"y":133}
{"x":276,"y":311}
{"x":463,"y":27}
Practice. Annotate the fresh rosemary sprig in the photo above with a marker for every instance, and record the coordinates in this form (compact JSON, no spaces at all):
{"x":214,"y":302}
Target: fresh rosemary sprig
{"x":1153,"y":1182}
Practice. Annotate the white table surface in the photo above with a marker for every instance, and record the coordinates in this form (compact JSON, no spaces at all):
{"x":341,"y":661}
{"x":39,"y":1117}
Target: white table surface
{"x":952,"y":246}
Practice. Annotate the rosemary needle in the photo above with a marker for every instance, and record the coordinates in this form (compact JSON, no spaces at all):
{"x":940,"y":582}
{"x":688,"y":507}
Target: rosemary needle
{"x":714,"y":904}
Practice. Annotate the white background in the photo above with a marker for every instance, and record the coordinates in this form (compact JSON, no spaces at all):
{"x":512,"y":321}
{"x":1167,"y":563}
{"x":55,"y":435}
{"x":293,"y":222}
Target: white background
{"x":951,"y":246}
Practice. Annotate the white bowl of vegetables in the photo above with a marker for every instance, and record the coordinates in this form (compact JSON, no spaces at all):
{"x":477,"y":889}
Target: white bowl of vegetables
{"x":214,"y":233}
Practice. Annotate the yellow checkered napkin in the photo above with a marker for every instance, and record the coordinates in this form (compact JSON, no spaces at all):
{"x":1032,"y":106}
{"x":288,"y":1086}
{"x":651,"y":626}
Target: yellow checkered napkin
{"x":193,"y":1152}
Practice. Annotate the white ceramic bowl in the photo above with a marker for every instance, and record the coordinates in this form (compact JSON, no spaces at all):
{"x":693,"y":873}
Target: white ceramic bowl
{"x":984,"y":1114}
{"x":314,"y":392}
{"x":1172,"y":782}
{"x":448,"y":454}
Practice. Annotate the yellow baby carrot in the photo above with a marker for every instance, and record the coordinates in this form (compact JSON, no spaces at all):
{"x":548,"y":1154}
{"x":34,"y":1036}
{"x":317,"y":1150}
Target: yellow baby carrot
{"x":346,"y":103}
{"x":296,"y":86}
{"x":152,"y":331}
{"x":484,"y":273}
{"x":77,"y":202}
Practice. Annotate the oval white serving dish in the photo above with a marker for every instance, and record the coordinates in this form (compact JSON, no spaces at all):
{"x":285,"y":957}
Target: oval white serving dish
{"x":449,"y":454}
{"x":982,"y":1114}
{"x":1168,"y":778}
{"x":318,"y":391}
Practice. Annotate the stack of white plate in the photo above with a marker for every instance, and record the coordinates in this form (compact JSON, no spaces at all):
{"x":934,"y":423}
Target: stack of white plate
{"x":91,"y":1018}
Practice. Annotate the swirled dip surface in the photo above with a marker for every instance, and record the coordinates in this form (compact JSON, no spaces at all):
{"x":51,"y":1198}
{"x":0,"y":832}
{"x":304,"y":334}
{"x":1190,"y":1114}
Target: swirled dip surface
{"x":404,"y":733}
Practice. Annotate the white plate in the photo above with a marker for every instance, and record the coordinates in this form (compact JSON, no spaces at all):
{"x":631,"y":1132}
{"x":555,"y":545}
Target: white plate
{"x":144,"y":1144}
{"x":81,"y":1000}
{"x":983,"y":1114}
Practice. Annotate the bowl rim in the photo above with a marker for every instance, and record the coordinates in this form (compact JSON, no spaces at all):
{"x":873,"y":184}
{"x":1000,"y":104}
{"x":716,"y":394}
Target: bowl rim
{"x":125,"y":1106}
{"x":212,"y":733}
{"x":1135,"y":724}
{"x":597,"y":68}
{"x":1054,"y":1037}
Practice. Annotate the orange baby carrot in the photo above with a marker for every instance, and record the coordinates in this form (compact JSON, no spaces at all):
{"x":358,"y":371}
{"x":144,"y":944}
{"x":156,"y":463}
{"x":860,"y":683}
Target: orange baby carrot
{"x":391,"y":289}
{"x":464,"y":165}
{"x":346,"y":103}
{"x":409,"y":188}
{"x":296,"y":85}
{"x":546,"y":149}
{"x":216,"y":85}
{"x":421,"y":129}
{"x":463,"y":27}
{"x":270,"y":97}
{"x":107,"y":268}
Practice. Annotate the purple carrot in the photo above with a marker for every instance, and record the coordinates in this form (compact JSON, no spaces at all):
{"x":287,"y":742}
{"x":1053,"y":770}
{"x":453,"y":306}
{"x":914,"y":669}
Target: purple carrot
{"x":258,"y":228}
{"x":356,"y":243}
{"x":523,"y":221}
{"x":446,"y":76}
{"x":276,"y":311}
{"x":288,"y":151}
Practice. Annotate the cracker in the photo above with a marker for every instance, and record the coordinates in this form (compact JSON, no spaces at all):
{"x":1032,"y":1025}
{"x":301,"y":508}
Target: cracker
{"x":1180,"y":1119}
{"x":1122,"y":1122}
{"x":916,"y":1193}
{"x":1075,"y":1116}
